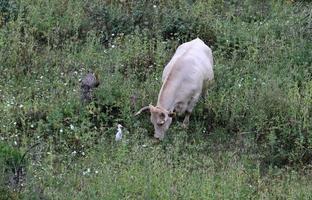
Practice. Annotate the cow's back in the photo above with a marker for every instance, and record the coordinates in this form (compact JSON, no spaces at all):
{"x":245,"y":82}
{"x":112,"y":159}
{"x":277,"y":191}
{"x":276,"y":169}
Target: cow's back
{"x":194,"y":54}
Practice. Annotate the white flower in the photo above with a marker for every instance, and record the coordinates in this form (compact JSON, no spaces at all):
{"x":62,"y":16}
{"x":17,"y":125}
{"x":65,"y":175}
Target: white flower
{"x":31,"y":126}
{"x":86,"y":172}
{"x":41,"y":77}
{"x":154,"y":6}
{"x":113,"y":46}
{"x":21,"y":106}
{"x":15,"y":143}
{"x":96,"y":171}
{"x":74,"y":153}
{"x":83,"y":153}
{"x":144,"y":145}
{"x":61,"y":130}
{"x":239,"y":85}
{"x":72,"y":127}
{"x":113,"y":34}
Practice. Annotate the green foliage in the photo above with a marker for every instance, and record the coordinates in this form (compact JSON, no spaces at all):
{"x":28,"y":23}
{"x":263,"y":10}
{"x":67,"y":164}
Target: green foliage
{"x":10,"y":163}
{"x":247,"y":139}
{"x":8,"y":11}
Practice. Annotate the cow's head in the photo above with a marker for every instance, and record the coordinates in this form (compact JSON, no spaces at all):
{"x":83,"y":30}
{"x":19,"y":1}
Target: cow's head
{"x":161,"y":119}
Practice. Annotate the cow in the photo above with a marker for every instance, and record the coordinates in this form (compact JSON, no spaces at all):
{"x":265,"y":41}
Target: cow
{"x":184,"y":79}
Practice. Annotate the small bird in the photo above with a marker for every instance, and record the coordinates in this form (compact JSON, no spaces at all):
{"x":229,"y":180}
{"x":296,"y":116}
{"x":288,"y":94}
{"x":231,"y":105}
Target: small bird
{"x":119,"y":133}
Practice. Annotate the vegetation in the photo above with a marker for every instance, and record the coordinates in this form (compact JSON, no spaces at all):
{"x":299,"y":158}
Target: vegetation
{"x":251,"y":138}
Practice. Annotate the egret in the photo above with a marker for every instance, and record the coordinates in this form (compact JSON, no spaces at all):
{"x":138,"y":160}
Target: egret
{"x":119,"y":133}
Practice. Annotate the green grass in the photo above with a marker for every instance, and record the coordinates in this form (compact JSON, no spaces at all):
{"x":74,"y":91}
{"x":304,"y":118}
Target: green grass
{"x":249,"y":139}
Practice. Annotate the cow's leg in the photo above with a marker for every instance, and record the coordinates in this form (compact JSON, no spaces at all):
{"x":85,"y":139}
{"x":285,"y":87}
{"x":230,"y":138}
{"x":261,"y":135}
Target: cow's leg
{"x":186,"y":120}
{"x":204,"y":92}
{"x":189,"y":109}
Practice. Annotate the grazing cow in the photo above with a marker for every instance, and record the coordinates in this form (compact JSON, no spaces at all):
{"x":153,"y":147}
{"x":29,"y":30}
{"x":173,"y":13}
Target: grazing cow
{"x":185,"y":77}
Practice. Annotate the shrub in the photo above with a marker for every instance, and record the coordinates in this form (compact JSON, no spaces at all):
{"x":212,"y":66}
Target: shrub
{"x":11,"y":165}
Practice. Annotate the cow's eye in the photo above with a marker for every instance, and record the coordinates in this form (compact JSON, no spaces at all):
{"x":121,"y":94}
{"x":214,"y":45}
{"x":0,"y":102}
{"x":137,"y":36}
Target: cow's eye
{"x":162,"y":115}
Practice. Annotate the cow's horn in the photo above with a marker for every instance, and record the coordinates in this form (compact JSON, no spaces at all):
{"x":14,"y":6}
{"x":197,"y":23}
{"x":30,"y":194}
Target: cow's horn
{"x":142,"y":109}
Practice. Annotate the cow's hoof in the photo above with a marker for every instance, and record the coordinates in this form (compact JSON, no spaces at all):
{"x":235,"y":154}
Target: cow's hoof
{"x":156,"y":141}
{"x":185,"y":125}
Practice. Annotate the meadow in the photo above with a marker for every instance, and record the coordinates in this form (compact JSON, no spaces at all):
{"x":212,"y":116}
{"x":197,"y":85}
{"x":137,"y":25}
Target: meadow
{"x":251,"y":138}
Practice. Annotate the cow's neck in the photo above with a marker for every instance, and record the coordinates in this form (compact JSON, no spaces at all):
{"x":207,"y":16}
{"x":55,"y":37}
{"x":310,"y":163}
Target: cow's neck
{"x":166,"y":97}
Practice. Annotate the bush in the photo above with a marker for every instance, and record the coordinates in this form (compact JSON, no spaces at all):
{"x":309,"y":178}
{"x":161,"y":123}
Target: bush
{"x":8,"y":11}
{"x":11,"y":165}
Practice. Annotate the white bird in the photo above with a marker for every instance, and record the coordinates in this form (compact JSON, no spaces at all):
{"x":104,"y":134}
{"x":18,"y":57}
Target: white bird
{"x":119,"y":133}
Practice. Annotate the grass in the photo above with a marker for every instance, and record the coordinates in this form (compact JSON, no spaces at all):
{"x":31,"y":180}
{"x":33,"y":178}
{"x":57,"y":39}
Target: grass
{"x":250,"y":139}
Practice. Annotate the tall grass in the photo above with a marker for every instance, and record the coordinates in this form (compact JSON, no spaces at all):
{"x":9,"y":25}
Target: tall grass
{"x":251,"y":137}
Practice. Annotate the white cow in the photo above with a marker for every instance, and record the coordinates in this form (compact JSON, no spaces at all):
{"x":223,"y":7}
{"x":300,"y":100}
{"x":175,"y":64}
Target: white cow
{"x":185,"y":77}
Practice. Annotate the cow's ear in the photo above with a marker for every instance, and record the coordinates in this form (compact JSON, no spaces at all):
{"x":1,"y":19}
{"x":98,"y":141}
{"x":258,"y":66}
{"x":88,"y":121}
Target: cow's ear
{"x":171,"y":114}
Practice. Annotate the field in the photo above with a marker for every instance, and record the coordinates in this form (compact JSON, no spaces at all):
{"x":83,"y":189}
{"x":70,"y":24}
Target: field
{"x":251,"y":138}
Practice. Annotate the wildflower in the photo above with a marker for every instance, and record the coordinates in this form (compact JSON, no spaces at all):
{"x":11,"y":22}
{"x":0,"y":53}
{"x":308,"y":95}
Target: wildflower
{"x":61,"y":130}
{"x":32,"y":126}
{"x":86,"y":172}
{"x":154,"y":6}
{"x":239,"y":85}
{"x":21,"y":106}
{"x":72,"y":127}
{"x":96,"y":171}
{"x":74,"y":153}
{"x":15,"y":143}
{"x":113,"y":46}
{"x":83,"y":153}
{"x":41,"y":77}
{"x":144,"y":145}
